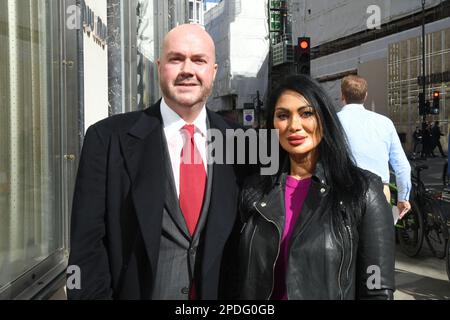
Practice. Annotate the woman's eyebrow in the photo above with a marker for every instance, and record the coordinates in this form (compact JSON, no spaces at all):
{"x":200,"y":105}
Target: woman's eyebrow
{"x":299,"y":108}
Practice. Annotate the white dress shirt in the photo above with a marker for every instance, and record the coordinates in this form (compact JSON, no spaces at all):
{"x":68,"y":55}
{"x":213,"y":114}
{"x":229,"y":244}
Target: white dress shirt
{"x":173,"y":124}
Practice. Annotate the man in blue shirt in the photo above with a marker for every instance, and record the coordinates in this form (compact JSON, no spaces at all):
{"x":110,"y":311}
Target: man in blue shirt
{"x":373,"y":140}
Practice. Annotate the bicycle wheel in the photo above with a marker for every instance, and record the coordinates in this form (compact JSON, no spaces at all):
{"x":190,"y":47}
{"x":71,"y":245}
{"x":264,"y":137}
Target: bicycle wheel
{"x":410,"y":231}
{"x":436,"y":234}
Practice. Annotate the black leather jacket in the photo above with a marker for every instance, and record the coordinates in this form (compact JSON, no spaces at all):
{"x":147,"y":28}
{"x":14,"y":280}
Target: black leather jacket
{"x":327,"y":259}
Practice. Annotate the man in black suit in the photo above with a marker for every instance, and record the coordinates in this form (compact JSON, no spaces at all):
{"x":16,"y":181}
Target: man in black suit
{"x":147,"y":223}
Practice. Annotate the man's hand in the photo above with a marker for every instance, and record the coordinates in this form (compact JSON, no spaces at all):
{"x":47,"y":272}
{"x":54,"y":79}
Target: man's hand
{"x":403,"y":208}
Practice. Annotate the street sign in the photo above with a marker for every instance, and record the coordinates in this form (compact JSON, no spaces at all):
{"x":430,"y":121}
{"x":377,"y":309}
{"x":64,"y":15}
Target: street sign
{"x":249,"y":117}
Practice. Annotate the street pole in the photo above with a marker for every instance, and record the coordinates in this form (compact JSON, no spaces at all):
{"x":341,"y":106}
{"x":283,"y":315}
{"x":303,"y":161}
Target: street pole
{"x":258,"y":109}
{"x":424,"y":117}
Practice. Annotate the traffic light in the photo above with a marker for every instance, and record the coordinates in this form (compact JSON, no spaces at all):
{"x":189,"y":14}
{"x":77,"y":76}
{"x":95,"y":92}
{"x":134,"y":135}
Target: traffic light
{"x":303,"y":56}
{"x":436,"y":98}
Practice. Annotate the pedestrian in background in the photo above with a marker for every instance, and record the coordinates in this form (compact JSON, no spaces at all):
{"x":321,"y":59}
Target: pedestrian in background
{"x":436,"y":135}
{"x":417,"y":137}
{"x":373,"y":140}
{"x":427,"y":150}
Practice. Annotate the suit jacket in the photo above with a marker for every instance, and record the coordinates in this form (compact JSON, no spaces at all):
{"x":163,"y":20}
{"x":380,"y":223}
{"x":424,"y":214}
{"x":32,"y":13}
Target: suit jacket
{"x":118,"y":207}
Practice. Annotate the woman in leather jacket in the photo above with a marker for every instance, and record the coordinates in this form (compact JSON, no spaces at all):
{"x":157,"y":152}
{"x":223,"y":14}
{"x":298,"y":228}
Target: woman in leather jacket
{"x":321,"y":227}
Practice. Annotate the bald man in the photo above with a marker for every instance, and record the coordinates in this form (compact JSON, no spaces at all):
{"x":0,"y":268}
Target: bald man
{"x":149,"y":222}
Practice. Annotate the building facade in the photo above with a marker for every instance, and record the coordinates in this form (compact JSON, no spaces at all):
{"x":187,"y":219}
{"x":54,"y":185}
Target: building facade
{"x":240,"y":32}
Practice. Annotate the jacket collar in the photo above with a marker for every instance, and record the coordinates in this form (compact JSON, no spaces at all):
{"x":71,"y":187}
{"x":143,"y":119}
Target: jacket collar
{"x":272,"y":205}
{"x":317,"y":177}
{"x":353,"y":106}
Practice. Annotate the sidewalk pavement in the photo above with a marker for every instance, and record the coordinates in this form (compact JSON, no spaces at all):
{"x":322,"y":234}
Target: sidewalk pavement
{"x":420,"y":278}
{"x":423,"y":277}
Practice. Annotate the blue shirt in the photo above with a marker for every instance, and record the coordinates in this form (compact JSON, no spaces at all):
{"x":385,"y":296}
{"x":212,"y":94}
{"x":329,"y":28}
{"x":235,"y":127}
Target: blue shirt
{"x":375,"y":144}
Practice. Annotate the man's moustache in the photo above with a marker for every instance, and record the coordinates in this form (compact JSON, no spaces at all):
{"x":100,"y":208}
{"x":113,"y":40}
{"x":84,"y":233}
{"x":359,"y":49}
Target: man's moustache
{"x":186,"y":83}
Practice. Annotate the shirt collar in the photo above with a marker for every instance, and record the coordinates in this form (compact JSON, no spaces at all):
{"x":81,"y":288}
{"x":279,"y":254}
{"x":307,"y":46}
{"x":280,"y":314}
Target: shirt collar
{"x":173,"y":122}
{"x":353,"y":106}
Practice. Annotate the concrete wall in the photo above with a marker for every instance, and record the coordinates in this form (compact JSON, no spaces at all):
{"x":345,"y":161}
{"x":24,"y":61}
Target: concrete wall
{"x":240,"y":32}
{"x":325,"y":20}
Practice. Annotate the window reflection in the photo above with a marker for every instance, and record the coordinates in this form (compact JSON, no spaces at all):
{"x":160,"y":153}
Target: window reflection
{"x":30,"y":215}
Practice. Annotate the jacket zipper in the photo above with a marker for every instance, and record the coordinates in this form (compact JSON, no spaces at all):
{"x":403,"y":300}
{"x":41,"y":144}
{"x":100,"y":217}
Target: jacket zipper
{"x":250,"y":248}
{"x":349,"y":230}
{"x":341,"y":265}
{"x":351,"y":248}
{"x":278,"y":250}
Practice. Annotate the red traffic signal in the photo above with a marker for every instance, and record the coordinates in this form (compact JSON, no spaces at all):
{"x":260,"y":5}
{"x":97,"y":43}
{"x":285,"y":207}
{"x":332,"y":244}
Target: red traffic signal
{"x":436,"y":94}
{"x":304,"y":44}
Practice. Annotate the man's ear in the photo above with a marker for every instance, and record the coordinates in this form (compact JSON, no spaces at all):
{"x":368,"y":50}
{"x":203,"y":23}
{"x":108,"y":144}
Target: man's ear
{"x":158,"y":65}
{"x":216,"y":67}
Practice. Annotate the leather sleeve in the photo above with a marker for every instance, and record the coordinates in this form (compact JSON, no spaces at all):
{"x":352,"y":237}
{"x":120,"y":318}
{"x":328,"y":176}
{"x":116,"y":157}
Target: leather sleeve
{"x":87,"y":249}
{"x":376,"y":248}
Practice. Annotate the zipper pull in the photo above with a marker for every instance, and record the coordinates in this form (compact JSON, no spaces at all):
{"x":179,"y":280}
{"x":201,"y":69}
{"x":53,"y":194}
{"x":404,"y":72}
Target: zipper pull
{"x":349,"y":231}
{"x":243,"y":227}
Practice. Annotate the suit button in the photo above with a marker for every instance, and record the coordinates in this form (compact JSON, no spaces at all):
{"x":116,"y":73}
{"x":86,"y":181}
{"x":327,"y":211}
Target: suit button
{"x":192,"y":251}
{"x":185,"y":290}
{"x":322,"y":190}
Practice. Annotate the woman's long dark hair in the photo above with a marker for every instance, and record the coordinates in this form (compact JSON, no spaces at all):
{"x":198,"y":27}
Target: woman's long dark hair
{"x":345,"y":180}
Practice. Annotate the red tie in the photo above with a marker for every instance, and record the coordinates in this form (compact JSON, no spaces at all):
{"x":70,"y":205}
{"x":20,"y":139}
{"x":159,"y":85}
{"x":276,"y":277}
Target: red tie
{"x":192,"y":179}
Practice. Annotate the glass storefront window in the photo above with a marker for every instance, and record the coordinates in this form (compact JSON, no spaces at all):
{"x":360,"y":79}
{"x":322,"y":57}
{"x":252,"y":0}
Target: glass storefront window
{"x":31,"y":218}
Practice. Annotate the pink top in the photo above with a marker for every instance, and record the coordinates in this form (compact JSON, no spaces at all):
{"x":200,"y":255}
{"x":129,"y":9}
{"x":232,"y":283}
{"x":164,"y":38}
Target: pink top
{"x":294,"y":197}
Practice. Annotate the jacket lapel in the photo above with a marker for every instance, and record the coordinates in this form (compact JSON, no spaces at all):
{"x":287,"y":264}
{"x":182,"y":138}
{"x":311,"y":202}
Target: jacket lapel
{"x":172,"y":202}
{"x":142,"y":148}
{"x":223,"y":203}
{"x":314,"y":201}
{"x":272,"y":206}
